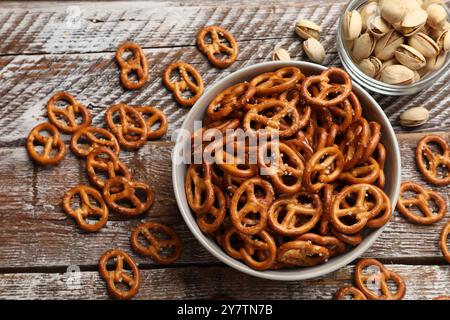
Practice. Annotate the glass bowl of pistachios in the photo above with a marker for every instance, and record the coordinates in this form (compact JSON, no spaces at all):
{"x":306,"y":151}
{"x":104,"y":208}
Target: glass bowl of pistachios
{"x":395,"y":47}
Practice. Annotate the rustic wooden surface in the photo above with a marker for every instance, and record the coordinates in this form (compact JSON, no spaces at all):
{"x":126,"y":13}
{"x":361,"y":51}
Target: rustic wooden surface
{"x":40,"y":54}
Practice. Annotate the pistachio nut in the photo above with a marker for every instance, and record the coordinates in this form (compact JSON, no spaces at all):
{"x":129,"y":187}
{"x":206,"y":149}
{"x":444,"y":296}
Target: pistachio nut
{"x":413,"y":22}
{"x":386,"y":45}
{"x":416,"y":76}
{"x":443,"y":40}
{"x":368,"y":11}
{"x":410,"y":57}
{"x":371,"y":66}
{"x":414,"y":117}
{"x":281,"y":54}
{"x":306,"y":29}
{"x":349,"y":44}
{"x":435,"y":63}
{"x":397,"y":74}
{"x":424,"y":44}
{"x":393,"y":11}
{"x":314,"y":50}
{"x":386,"y":64}
{"x":363,"y":46}
{"x":352,"y":25}
{"x":436,"y":15}
{"x":378,"y":27}
{"x":427,"y":3}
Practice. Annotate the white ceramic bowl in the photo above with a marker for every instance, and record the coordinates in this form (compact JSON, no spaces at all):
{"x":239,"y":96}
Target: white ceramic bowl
{"x":371,"y":111}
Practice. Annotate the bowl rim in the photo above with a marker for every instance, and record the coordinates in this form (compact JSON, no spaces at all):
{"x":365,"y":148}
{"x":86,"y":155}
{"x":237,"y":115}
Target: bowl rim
{"x":208,"y":243}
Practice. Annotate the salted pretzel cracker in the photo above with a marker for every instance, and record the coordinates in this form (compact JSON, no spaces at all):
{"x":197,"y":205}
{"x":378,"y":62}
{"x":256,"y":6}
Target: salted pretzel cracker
{"x":190,"y":81}
{"x":422,"y":200}
{"x":443,"y":241}
{"x":86,"y":139}
{"x":137,"y":64}
{"x":434,"y":161}
{"x":119,"y":274}
{"x":217,"y":46}
{"x":54,"y":148}
{"x":350,"y":291}
{"x":69,"y":114}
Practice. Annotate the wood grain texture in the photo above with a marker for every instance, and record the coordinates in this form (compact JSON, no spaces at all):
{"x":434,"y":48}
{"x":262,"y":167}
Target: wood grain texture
{"x":422,"y":283}
{"x":40,"y":54}
{"x":33,"y":206}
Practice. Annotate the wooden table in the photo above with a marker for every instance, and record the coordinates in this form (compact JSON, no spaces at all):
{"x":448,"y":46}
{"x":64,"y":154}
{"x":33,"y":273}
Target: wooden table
{"x":45,"y":48}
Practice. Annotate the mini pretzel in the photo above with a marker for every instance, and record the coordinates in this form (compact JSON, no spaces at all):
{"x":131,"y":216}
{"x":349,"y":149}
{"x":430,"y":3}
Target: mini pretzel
{"x":380,"y":278}
{"x":95,"y":138}
{"x":190,"y":81}
{"x":341,"y":91}
{"x":157,"y":245}
{"x":349,"y":291}
{"x":86,"y":207}
{"x":363,"y":212}
{"x":351,"y":239}
{"x":302,"y":253}
{"x":237,"y":164}
{"x":333,"y":244}
{"x":198,"y":187}
{"x":217,"y":46}
{"x":69,"y":113}
{"x":285,"y":169}
{"x":429,"y":168}
{"x":119,"y":189}
{"x":254,"y":244}
{"x":54,"y":147}
{"x":252,"y":206}
{"x":119,"y":274}
{"x":422,"y":201}
{"x":211,"y":221}
{"x":293,"y":211}
{"x":443,"y":242}
{"x":381,"y":159}
{"x":327,"y":200}
{"x":355,"y":143}
{"x":152,"y":116}
{"x":273,"y":122}
{"x":375,"y":136}
{"x":104,"y":160}
{"x":130,"y":128}
{"x":230,"y":99}
{"x":367,"y":172}
{"x":276,"y":82}
{"x":323,"y":167}
{"x":137,"y":64}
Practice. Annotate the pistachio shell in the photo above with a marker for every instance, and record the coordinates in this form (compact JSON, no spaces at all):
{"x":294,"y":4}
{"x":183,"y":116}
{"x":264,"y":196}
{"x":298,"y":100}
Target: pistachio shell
{"x":443,"y":41}
{"x":397,"y":74}
{"x":427,"y":3}
{"x":414,"y":117}
{"x":416,"y":76}
{"x":306,"y":29}
{"x":414,"y":22}
{"x":410,"y":57}
{"x":281,"y":54}
{"x":314,"y":50}
{"x":435,"y":63}
{"x":424,"y":44}
{"x":363,"y":46}
{"x":352,"y":25}
{"x":367,"y":11}
{"x":378,"y":27}
{"x":349,"y":44}
{"x":371,"y":66}
{"x":393,"y":11}
{"x":386,"y":45}
{"x":436,"y":15}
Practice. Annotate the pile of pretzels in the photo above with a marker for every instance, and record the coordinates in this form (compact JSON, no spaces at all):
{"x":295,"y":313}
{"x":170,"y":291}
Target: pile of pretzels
{"x":326,"y":179}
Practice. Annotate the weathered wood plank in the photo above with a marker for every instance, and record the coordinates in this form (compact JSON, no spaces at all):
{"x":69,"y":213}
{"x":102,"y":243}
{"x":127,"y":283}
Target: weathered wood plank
{"x":36,"y":233}
{"x":422,"y":283}
{"x":30,"y":81}
{"x":87,"y":27}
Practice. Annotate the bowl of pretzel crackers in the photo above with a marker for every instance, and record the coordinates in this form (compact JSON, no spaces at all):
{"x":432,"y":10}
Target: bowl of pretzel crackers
{"x":286,"y":170}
